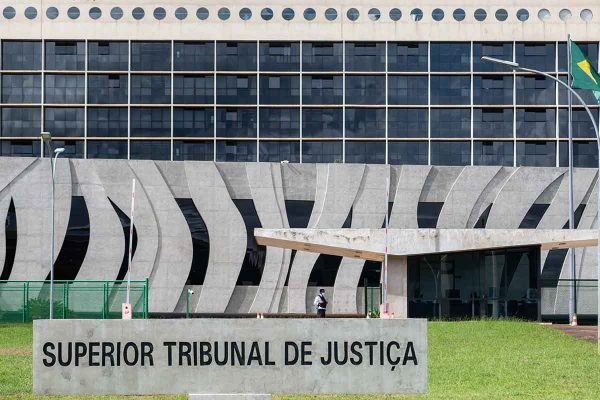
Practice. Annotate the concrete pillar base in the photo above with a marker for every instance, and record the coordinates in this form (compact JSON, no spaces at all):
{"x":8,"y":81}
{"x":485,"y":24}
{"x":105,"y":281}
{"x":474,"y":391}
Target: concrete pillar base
{"x":233,"y":396}
{"x":397,"y":286}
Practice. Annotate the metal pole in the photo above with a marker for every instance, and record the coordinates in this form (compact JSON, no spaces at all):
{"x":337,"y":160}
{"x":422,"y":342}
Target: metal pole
{"x":385,"y":254}
{"x":572,"y":298}
{"x":53,"y":168}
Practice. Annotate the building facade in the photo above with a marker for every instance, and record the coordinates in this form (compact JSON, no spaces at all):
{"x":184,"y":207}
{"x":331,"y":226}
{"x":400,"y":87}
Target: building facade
{"x":149,"y":84}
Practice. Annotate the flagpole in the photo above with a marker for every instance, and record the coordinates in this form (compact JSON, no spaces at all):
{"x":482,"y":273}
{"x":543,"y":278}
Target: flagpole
{"x":572,"y":268}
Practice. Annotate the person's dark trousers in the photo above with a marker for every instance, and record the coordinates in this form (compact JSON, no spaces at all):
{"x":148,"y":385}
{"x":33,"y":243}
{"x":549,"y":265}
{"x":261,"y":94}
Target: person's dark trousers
{"x":320,"y":313}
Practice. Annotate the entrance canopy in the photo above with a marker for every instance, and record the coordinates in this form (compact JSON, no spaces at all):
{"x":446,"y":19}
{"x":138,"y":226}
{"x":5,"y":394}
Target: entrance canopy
{"x":369,"y":244}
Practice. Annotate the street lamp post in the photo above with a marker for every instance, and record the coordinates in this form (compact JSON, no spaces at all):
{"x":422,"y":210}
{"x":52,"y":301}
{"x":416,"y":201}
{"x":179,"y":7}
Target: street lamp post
{"x":516,"y":67}
{"x":47,"y":138}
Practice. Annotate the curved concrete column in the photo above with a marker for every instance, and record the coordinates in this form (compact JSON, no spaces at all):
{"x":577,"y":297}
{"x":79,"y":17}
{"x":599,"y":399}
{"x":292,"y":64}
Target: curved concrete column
{"x":439,"y":182}
{"x":267,"y":192}
{"x":368,"y":211}
{"x":32,"y":196}
{"x":227,"y":234}
{"x":463,"y":195}
{"x":489,"y":193}
{"x":116,"y":177}
{"x":406,"y":198}
{"x":175,"y":249}
{"x":106,"y":246}
{"x":337,"y":187}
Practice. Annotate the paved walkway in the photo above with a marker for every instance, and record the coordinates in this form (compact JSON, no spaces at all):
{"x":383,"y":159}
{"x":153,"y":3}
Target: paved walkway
{"x":585,"y":332}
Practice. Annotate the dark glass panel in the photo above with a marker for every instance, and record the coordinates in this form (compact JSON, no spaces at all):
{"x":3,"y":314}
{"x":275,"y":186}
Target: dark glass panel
{"x":536,"y":122}
{"x":590,"y":50}
{"x":108,"y":149}
{"x":407,"y":57}
{"x":236,"y":122}
{"x":322,"y":152}
{"x":536,"y":154}
{"x":535,"y":90}
{"x":534,"y":216}
{"x":10,"y":233}
{"x":65,"y":55}
{"x":233,"y":150}
{"x":428,"y":213}
{"x":107,"y":89}
{"x":450,"y":89}
{"x":150,"y":89}
{"x":75,"y":243}
{"x":322,"y":89}
{"x":20,"y":148}
{"x":200,"y":241}
{"x":73,"y":148}
{"x":64,"y":122}
{"x":450,"y":153}
{"x":21,"y":122}
{"x":365,"y":56}
{"x":193,"y":89}
{"x":196,"y":122}
{"x":407,"y":90}
{"x":194,"y":56}
{"x":107,"y":122}
{"x":493,"y":122}
{"x":254,"y":260}
{"x":365,"y":89}
{"x":503,"y":51}
{"x":407,"y":153}
{"x":276,"y":151}
{"x":126,"y":224}
{"x":279,"y":122}
{"x":298,"y":212}
{"x":325,"y":270}
{"x":365,"y":123}
{"x":193,"y":150}
{"x":407,"y":122}
{"x":150,"y":122}
{"x":150,"y":56}
{"x":279,"y":56}
{"x":450,"y":57}
{"x":108,"y":56}
{"x":450,"y":123}
{"x":21,"y":55}
{"x":322,"y":122}
{"x":582,"y":124}
{"x":586,"y":95}
{"x":538,"y":56}
{"x":493,"y":89}
{"x":236,"y":56}
{"x":236,"y":89}
{"x":279,"y":89}
{"x":64,"y":89}
{"x":365,"y":152}
{"x":322,"y":56}
{"x":150,"y":150}
{"x":585,"y":154}
{"x":493,"y":153}
{"x":21,"y":88}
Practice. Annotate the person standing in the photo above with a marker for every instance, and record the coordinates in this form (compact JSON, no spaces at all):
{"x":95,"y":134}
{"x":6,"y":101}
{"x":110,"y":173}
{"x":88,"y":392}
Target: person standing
{"x":321,"y":303}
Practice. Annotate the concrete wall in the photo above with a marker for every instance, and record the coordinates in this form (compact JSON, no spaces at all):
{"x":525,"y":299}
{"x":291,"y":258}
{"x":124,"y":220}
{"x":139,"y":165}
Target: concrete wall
{"x":164,"y":250}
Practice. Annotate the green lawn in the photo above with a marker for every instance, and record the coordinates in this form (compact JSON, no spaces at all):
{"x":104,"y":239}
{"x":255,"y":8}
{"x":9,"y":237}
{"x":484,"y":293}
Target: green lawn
{"x":467,"y":360}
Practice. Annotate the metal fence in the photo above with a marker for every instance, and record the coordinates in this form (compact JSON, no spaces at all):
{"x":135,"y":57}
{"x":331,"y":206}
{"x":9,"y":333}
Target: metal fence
{"x":23,"y":301}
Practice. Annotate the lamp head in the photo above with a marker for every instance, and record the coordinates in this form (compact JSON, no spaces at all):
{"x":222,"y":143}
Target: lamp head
{"x":46,"y":136}
{"x":506,"y":63}
{"x":59,"y":150}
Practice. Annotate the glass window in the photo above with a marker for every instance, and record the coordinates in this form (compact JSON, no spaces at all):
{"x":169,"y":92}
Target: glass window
{"x":159,"y":13}
{"x":331,"y":14}
{"x":21,"y":122}
{"x":279,"y":122}
{"x":276,"y":151}
{"x":138,"y":13}
{"x":236,"y":89}
{"x":374,"y":14}
{"x":20,"y":148}
{"x":287,"y":14}
{"x":365,"y":89}
{"x":150,"y":56}
{"x":450,"y":89}
{"x":21,"y":55}
{"x":322,"y":152}
{"x":493,"y":89}
{"x":64,"y":122}
{"x":64,"y":89}
{"x":107,"y":122}
{"x":582,"y":125}
{"x":585,"y":154}
{"x":437,"y":14}
{"x":407,"y":57}
{"x":450,"y":123}
{"x":73,"y":149}
{"x":322,"y":122}
{"x":586,"y":15}
{"x":493,"y":153}
{"x":535,"y":90}
{"x":73,"y":12}
{"x":233,"y":150}
{"x":590,"y":50}
{"x":450,"y":153}
{"x":459,"y":14}
{"x":52,"y":13}
{"x":193,"y":122}
{"x":202,"y":150}
{"x":279,"y":89}
{"x":493,"y":122}
{"x":322,"y":89}
{"x":365,"y":122}
{"x":236,"y":122}
{"x":202,"y":13}
{"x":194,"y":56}
{"x":416,"y":14}
{"x":150,"y":89}
{"x":116,"y":13}
{"x":150,"y":150}
{"x":31,"y":12}
{"x":364,"y":152}
{"x":193,"y":89}
{"x":245,"y":14}
{"x":501,"y":14}
{"x":407,"y":89}
{"x":563,"y":99}
{"x":9,"y":12}
{"x":407,"y":122}
{"x":21,"y":88}
{"x":365,"y":56}
{"x":450,"y":57}
{"x":95,"y":13}
{"x":181,"y":13}
{"x":536,"y":122}
{"x":322,"y":56}
{"x":522,"y":15}
{"x":266,"y":14}
{"x":236,"y":56}
{"x":151,"y":122}
{"x":108,"y":56}
{"x":414,"y":153}
{"x":536,"y":154}
{"x":224,"y":13}
{"x":503,"y":51}
{"x":538,"y":56}
{"x":309,"y":14}
{"x":107,"y":149}
{"x":65,"y":55}
{"x":279,"y":56}
{"x":544,"y":15}
{"x":107,"y":89}
{"x":352,"y":14}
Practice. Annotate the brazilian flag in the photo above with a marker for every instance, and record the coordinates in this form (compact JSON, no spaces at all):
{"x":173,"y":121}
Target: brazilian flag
{"x":584,"y":76}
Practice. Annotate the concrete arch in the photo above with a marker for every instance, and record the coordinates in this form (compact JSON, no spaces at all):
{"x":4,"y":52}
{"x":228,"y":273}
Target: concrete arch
{"x":489,"y":194}
{"x":406,"y":197}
